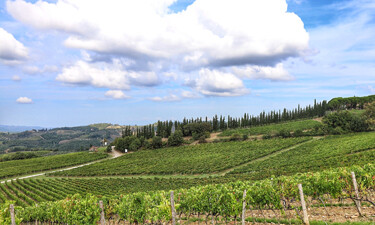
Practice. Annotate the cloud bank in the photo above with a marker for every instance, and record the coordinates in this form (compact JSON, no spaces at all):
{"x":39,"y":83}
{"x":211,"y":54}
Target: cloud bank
{"x":11,"y":50}
{"x":147,"y":40}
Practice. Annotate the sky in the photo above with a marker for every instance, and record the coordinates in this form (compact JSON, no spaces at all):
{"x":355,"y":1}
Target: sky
{"x":78,"y":62}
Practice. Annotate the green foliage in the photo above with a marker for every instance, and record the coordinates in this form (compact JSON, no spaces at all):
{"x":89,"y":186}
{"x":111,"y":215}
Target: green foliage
{"x":298,"y":133}
{"x":350,"y":103}
{"x":176,"y":139}
{"x":369,"y":115}
{"x":212,"y":199}
{"x":202,"y":140}
{"x":22,"y":155}
{"x":5,"y":213}
{"x":284,"y":133}
{"x":201,"y":136}
{"x":344,"y":121}
{"x":135,"y":145}
{"x":156,"y":142}
{"x":132,"y":143}
{"x":27,"y":166}
{"x":210,"y":157}
{"x":328,"y":152}
{"x":62,"y":139}
{"x":235,"y":137}
{"x":72,"y":210}
{"x":267,"y":129}
{"x":196,"y":128}
{"x":267,"y":136}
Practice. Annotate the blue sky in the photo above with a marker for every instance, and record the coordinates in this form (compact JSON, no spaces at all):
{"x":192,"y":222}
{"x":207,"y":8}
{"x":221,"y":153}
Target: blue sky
{"x":68,"y":63}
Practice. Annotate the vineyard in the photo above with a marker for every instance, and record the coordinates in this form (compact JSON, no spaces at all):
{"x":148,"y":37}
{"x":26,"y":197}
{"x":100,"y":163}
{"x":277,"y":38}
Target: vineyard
{"x":289,"y":126}
{"x":199,"y":159}
{"x":27,"y":192}
{"x":276,"y":199}
{"x":28,"y":166}
{"x":328,"y":152}
{"x":208,"y":181}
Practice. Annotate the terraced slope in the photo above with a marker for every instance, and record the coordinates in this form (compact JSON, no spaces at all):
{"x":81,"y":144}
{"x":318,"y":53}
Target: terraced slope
{"x":28,"y":166}
{"x":199,"y":159}
{"x":328,"y":152}
{"x":289,"y":126}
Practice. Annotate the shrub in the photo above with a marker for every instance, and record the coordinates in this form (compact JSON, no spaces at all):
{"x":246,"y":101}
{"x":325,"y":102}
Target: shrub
{"x":176,"y":139}
{"x":156,"y":142}
{"x":202,"y":139}
{"x":267,"y":136}
{"x":245,"y":137}
{"x":135,"y":145}
{"x":346,"y":121}
{"x":369,"y":115}
{"x":298,"y":133}
{"x":337,"y":130}
{"x":235,"y":137}
{"x":284,"y":133}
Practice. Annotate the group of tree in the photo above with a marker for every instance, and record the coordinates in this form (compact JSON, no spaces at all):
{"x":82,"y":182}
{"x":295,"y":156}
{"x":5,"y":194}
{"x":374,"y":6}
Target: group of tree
{"x":336,"y":121}
{"x":18,"y":156}
{"x":350,"y":103}
{"x":344,"y":121}
{"x":220,"y":123}
{"x":147,"y":131}
{"x":135,"y":143}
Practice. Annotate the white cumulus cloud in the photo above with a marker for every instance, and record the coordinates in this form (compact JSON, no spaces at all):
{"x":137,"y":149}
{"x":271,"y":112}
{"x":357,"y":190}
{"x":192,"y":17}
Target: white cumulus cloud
{"x":24,"y":100}
{"x":106,"y":75}
{"x":11,"y":50}
{"x":250,"y":37}
{"x":277,"y":73}
{"x":231,"y":32}
{"x":218,"y":83}
{"x":116,"y":94}
{"x":215,"y":34}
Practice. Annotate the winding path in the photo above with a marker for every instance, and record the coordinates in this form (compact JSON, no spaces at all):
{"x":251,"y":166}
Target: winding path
{"x":114,"y":154}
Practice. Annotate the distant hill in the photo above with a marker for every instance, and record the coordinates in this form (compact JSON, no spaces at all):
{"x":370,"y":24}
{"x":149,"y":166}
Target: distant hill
{"x":60,"y":139}
{"x":14,"y":129}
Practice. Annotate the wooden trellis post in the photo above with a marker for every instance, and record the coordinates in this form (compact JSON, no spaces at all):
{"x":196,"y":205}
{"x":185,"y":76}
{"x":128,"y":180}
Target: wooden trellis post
{"x":357,"y":201}
{"x":12,"y":216}
{"x":173,"y":209}
{"x":303,"y":203}
{"x":244,"y":207}
{"x":102,"y":218}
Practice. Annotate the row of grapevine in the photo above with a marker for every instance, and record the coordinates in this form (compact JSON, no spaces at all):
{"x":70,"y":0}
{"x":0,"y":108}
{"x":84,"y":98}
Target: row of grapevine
{"x":219,"y":200}
{"x":28,"y":166}
{"x":325,"y":153}
{"x":197,"y":159}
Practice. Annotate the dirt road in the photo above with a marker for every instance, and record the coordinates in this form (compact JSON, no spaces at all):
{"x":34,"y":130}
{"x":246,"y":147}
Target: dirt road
{"x":114,"y":154}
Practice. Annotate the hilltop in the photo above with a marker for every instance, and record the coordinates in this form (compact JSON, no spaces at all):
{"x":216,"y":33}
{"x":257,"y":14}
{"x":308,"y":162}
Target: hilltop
{"x":59,"y":139}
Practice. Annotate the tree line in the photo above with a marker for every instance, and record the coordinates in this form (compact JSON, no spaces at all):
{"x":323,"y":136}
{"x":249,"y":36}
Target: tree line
{"x":200,"y":128}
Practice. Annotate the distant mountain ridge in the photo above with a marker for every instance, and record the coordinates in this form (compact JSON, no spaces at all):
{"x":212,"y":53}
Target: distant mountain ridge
{"x":14,"y":129}
{"x":68,"y":139}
